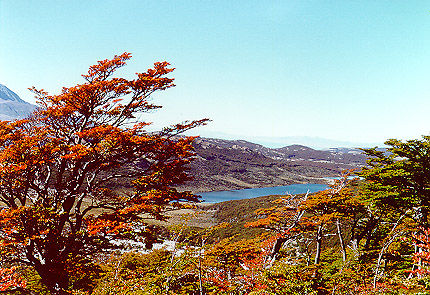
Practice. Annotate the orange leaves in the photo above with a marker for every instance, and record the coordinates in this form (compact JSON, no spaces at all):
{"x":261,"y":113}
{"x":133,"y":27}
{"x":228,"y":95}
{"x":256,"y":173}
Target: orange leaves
{"x":237,"y":265}
{"x":13,"y":223}
{"x":422,"y":258}
{"x":320,"y":208}
{"x":336,"y":202}
{"x":80,"y":153}
{"x":153,"y":78}
{"x":105,"y":226}
{"x":139,"y":208}
{"x":103,"y":97}
{"x":76,"y":152}
{"x":271,"y":216}
{"x":104,"y":137}
{"x":281,"y":217}
{"x":10,"y":279}
{"x":105,"y":68}
{"x":229,"y":254}
{"x":153,"y":202}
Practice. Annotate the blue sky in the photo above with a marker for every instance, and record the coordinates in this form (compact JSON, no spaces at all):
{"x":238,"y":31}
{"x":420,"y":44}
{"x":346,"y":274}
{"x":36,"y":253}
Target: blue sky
{"x":346,"y":70}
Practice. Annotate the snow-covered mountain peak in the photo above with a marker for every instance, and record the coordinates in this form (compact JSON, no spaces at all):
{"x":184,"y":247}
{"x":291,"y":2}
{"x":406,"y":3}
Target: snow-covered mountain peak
{"x":9,"y":95}
{"x":12,"y":106}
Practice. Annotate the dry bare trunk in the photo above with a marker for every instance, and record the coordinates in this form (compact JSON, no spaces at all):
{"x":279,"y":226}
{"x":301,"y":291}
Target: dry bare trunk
{"x":385,"y":247}
{"x":319,"y":244}
{"x":342,"y":243}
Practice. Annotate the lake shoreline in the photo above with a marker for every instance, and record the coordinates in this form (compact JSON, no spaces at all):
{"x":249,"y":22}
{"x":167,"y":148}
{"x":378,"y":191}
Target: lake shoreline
{"x":235,"y":186}
{"x":248,"y":193}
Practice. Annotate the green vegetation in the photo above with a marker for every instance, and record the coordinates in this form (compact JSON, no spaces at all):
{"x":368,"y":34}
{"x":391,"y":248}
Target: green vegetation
{"x":237,"y":214}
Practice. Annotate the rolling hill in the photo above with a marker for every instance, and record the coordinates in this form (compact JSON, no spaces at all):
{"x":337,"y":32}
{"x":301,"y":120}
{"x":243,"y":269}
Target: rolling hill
{"x":237,"y":164}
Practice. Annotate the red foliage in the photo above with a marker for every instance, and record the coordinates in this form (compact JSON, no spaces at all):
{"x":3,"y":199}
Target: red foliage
{"x":422,"y":257}
{"x":9,"y":279}
{"x":60,"y":167}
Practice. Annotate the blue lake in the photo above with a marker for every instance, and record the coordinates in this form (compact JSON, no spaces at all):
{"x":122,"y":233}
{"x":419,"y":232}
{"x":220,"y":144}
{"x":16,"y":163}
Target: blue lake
{"x":221,"y":196}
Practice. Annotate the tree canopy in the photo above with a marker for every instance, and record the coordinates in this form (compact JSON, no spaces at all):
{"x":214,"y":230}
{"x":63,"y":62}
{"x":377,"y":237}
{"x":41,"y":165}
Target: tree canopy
{"x":58,"y":171}
{"x":399,"y":178}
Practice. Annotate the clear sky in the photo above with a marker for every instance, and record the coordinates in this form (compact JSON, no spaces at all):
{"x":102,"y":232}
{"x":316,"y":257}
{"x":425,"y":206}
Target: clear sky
{"x":347,"y":70}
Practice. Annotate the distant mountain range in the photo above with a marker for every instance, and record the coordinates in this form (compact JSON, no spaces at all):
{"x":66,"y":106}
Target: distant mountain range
{"x":277,"y":142}
{"x":12,"y":106}
{"x":236,"y":164}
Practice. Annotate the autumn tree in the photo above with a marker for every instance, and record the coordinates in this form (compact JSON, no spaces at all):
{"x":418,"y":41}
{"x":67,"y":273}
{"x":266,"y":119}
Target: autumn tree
{"x":337,"y":207}
{"x":283,"y":219}
{"x":59,"y":171}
